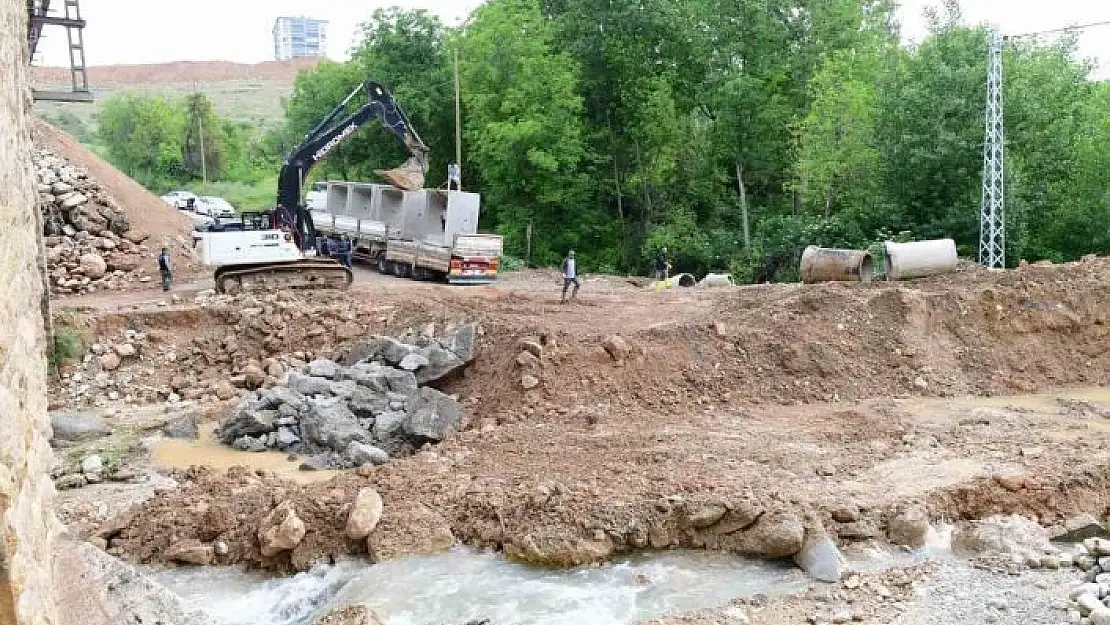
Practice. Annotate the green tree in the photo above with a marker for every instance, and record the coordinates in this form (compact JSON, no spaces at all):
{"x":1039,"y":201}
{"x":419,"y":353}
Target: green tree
{"x":203,"y":148}
{"x":144,"y":137}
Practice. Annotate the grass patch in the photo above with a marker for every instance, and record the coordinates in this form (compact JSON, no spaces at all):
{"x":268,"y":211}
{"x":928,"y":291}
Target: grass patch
{"x":69,"y":346}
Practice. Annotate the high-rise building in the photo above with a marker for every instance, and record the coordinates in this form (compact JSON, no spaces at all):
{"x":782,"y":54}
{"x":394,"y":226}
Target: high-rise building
{"x":299,"y":37}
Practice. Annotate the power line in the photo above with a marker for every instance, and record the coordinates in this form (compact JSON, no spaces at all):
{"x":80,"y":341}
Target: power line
{"x":1060,"y":30}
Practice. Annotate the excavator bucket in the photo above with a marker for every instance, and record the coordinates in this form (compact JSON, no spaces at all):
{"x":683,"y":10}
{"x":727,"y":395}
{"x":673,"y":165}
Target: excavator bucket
{"x":409,"y":176}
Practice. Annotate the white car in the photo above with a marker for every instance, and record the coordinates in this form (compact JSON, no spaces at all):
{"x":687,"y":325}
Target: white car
{"x":317,"y":198}
{"x":179,"y":199}
{"x":214,"y":206}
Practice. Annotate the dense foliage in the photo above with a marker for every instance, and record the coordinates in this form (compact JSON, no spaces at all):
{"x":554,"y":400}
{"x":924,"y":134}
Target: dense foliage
{"x":734,"y":132}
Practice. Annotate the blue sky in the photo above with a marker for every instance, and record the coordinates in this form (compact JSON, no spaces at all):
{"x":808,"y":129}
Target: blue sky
{"x":146,"y":31}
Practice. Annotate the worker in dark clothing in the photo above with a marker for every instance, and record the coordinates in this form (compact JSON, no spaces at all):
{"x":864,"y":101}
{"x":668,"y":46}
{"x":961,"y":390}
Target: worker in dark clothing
{"x":570,"y":276}
{"x":165,"y":269}
{"x":661,"y":269}
{"x":347,"y":251}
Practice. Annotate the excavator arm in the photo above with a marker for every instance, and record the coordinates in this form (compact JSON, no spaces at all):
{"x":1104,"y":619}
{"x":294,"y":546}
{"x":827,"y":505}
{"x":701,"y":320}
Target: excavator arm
{"x":330,"y":134}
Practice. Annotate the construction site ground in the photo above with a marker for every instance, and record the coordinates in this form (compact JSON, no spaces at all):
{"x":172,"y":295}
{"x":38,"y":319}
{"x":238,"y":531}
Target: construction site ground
{"x":970,"y":395}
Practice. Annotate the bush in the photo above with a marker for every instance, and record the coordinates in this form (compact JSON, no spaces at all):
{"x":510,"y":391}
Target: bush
{"x":69,"y":346}
{"x":510,"y":263}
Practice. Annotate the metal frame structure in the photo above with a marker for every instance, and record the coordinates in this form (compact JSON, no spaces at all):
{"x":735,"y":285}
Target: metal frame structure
{"x":992,"y":222}
{"x":38,"y":12}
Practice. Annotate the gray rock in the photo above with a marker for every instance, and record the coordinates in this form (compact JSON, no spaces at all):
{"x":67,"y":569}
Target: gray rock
{"x":412,"y":362}
{"x":1087,"y":604}
{"x":442,"y":363}
{"x":92,"y":465}
{"x":367,"y":404}
{"x":249,"y":443}
{"x":1080,"y":528}
{"x":1083,"y":589}
{"x":323,"y":368}
{"x":909,"y":527}
{"x":462,"y":340}
{"x":330,"y":425}
{"x":322,"y":462}
{"x":344,"y":388}
{"x":432,"y":416}
{"x":278,"y":396}
{"x":389,"y":432}
{"x":382,"y":348}
{"x":1100,"y":616}
{"x":286,"y":437}
{"x":185,"y":428}
{"x":821,"y":559}
{"x":382,"y":379}
{"x":78,"y":428}
{"x":308,"y":385}
{"x":359,"y":454}
{"x":246,"y":422}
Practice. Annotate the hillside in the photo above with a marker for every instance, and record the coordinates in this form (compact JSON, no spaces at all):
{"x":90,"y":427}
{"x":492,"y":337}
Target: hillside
{"x":239,"y":91}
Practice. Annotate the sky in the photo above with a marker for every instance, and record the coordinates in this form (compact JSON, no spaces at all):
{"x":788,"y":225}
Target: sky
{"x":155,"y":31}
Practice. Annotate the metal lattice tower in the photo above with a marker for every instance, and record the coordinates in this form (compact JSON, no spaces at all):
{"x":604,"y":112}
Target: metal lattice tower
{"x":992,"y":233}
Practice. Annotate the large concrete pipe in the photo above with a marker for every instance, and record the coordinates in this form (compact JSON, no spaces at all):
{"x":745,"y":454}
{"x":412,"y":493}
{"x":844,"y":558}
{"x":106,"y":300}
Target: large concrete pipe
{"x":919,"y":259}
{"x":682,"y":280}
{"x":822,"y":264}
{"x":716,"y":280}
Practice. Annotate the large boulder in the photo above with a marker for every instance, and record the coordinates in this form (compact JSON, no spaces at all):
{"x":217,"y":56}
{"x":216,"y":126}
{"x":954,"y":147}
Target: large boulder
{"x":366,"y":512}
{"x":244,"y":421}
{"x":442,"y":362}
{"x":909,"y":526}
{"x":323,"y":368}
{"x":431,"y":417}
{"x":274,"y":398}
{"x":1014,"y":534}
{"x":309,"y":385}
{"x":330,"y":425}
{"x":359,"y":454}
{"x":409,"y":528}
{"x":93,"y":266}
{"x":775,"y":535}
{"x":367,"y":404}
{"x":281,"y":530}
{"x":461,"y":341}
{"x":820,"y":558}
{"x":389,"y":432}
{"x":383,"y":348}
{"x":190,"y":551}
{"x":382,"y":379}
{"x":78,"y":428}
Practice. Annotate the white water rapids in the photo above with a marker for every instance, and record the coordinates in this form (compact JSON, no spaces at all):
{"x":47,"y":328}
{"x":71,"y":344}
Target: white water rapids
{"x":463,"y":585}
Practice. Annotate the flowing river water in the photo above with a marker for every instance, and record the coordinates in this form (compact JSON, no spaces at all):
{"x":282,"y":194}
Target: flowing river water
{"x":464,"y":585}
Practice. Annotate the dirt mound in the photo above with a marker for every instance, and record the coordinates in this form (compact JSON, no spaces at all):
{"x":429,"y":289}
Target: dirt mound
{"x":145,"y":212}
{"x":178,"y":72}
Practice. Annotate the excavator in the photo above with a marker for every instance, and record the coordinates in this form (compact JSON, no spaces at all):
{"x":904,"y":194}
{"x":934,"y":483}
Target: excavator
{"x":277,"y":248}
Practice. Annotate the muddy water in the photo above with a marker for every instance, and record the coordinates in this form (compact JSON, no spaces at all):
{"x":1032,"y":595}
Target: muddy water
{"x":464,"y":585}
{"x":206,"y":450}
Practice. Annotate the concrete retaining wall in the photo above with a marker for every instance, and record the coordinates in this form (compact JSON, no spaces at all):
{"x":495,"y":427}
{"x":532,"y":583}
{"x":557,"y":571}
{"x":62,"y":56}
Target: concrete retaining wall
{"x":27,"y":526}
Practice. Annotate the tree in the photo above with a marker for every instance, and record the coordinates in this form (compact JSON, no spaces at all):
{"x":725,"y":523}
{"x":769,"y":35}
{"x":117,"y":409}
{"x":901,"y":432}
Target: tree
{"x":525,"y":132}
{"x":203,"y":145}
{"x":144,"y":136}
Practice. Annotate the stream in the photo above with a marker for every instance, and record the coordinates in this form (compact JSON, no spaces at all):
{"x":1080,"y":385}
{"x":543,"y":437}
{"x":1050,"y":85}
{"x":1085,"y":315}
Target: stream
{"x":463,"y":585}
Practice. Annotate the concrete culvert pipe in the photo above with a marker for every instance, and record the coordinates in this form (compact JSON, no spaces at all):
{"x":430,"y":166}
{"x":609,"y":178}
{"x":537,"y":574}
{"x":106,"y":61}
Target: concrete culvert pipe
{"x":920,"y":259}
{"x":822,"y":264}
{"x":683,"y":280}
{"x":716,"y":280}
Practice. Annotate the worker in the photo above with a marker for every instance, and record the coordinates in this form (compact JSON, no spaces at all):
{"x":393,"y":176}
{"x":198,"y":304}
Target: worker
{"x":661,"y":270}
{"x":347,"y":251}
{"x":570,"y":276}
{"x":165,"y":269}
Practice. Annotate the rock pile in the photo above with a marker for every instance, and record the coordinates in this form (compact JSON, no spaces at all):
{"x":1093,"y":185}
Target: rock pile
{"x":90,"y":244}
{"x":367,"y":411}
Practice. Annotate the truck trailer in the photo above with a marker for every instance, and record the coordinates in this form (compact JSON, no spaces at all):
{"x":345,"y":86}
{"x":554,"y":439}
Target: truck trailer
{"x":426,"y":234}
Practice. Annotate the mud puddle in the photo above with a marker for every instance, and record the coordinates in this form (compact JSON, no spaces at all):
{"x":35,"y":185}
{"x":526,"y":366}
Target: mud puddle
{"x":208,"y":451}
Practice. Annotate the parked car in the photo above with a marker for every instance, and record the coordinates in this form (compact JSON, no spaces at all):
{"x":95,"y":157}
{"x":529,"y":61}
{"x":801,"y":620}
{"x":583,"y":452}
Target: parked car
{"x":180,"y":199}
{"x":214,"y":206}
{"x":317,"y":198}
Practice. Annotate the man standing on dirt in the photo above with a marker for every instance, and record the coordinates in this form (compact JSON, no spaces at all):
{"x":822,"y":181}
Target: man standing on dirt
{"x":165,"y":269}
{"x":570,"y":276}
{"x":661,"y":270}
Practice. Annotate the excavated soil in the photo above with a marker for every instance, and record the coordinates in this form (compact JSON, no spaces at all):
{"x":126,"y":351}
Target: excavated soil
{"x":773,"y":407}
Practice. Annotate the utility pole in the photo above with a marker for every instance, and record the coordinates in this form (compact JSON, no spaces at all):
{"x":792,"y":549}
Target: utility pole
{"x":200,"y":129}
{"x":458,"y":121}
{"x":992,"y":222}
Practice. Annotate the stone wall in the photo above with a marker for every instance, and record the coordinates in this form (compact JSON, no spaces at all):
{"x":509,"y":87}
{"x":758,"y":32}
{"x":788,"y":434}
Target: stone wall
{"x":27,"y":526}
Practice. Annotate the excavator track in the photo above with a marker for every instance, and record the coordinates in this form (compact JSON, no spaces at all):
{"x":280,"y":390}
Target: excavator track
{"x":302,"y":274}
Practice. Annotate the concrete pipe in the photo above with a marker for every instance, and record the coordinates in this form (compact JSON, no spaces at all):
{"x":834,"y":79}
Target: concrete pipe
{"x":684,"y":280}
{"x":716,"y":280}
{"x":918,"y":260}
{"x":822,"y":264}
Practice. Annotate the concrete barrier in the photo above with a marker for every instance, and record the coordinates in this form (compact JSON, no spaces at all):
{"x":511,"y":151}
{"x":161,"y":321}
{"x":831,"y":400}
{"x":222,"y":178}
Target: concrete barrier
{"x":920,"y":259}
{"x":822,"y":264}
